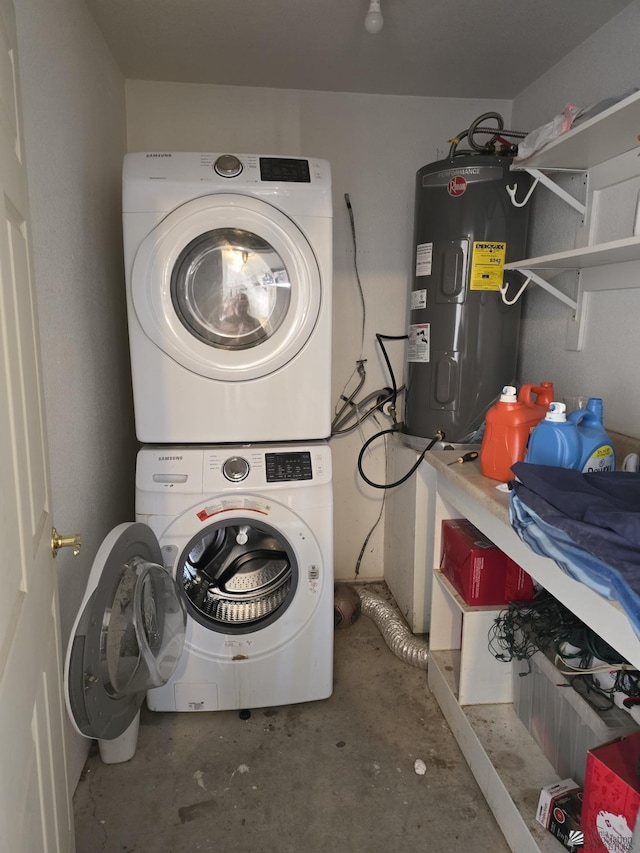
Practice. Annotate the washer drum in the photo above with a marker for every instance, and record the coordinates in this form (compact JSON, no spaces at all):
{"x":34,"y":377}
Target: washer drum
{"x":237,"y":577}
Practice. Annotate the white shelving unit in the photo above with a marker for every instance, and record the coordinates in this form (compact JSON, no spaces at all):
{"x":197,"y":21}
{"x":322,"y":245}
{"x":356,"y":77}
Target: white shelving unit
{"x":612,"y":134}
{"x":614,"y":131}
{"x":472,"y":688}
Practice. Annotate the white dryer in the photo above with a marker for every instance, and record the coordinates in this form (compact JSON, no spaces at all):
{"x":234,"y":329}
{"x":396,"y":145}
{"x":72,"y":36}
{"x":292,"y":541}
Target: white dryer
{"x":229,"y":273}
{"x":219,"y":597}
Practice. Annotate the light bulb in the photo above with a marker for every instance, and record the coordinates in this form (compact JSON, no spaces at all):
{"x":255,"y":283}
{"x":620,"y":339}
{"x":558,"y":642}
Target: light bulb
{"x":373,"y":21}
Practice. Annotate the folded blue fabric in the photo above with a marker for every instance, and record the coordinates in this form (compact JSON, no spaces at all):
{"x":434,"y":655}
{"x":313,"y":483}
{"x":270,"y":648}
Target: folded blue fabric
{"x":606,"y":501}
{"x":588,"y":523}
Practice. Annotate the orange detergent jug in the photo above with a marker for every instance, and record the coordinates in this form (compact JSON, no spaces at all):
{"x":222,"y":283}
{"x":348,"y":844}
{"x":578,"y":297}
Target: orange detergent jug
{"x":544,"y":396}
{"x":508,"y":425}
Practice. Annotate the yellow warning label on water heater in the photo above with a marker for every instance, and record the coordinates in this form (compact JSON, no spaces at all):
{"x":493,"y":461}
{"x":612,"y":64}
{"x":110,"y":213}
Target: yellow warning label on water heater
{"x":487,"y":265}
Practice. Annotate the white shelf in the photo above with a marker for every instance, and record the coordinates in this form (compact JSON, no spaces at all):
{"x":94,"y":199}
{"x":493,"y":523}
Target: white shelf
{"x":470,"y":495}
{"x":506,"y":761}
{"x":614,"y":131}
{"x":612,"y":135}
{"x":615,"y":252}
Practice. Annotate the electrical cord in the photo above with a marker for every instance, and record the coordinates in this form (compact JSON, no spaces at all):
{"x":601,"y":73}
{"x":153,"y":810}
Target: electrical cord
{"x":360,"y":363}
{"x":376,"y":523}
{"x":380,"y":338}
{"x":593,"y":668}
{"x":357,"y":271}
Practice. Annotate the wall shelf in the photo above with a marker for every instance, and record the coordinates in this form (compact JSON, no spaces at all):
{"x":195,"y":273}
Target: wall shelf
{"x":612,"y":134}
{"x":609,"y":134}
{"x":614,"y":252}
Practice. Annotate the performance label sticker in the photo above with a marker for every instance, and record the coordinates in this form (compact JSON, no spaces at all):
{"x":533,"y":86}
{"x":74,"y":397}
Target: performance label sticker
{"x":424,"y":257}
{"x":418,"y":299}
{"x":418,"y":349}
{"x":487,"y":266}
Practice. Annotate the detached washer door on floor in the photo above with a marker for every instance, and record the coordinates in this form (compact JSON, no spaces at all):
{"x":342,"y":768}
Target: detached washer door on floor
{"x":128,"y":635}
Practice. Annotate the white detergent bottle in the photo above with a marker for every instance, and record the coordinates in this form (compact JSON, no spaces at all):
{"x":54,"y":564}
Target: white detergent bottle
{"x":555,"y":440}
{"x":597,"y":454}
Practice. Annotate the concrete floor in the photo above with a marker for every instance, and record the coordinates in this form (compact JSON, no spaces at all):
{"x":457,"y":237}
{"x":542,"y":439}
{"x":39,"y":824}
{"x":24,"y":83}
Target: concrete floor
{"x":336,"y":775}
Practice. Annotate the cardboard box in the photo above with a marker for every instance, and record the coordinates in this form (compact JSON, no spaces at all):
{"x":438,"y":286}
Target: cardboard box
{"x":559,"y":811}
{"x":611,"y":795}
{"x":480,"y":571}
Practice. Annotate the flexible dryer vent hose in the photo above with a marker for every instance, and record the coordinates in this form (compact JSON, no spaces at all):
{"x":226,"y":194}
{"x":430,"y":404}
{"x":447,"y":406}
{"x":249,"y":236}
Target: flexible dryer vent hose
{"x":396,"y":634}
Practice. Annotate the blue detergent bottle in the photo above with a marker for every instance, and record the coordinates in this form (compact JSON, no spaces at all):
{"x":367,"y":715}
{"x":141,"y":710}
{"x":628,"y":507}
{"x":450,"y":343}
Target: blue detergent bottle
{"x":596,"y":453}
{"x":555,"y":440}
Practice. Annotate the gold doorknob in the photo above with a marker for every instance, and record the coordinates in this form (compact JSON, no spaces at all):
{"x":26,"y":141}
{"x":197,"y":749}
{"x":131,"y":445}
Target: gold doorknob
{"x":58,"y":542}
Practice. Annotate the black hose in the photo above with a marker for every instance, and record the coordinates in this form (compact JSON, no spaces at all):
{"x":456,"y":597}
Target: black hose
{"x":439,"y":436}
{"x":381,"y":338}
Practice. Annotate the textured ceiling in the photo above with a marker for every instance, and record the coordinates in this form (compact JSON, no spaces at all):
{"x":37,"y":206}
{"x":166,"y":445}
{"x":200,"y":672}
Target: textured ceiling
{"x":446,"y":48}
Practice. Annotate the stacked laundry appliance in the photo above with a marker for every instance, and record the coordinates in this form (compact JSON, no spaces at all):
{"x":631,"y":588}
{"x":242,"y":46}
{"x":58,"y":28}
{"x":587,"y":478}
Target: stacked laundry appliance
{"x":228,"y":275}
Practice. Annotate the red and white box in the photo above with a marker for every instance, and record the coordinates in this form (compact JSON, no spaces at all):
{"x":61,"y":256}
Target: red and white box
{"x":478,"y":569}
{"x":611,"y":795}
{"x":559,"y":810}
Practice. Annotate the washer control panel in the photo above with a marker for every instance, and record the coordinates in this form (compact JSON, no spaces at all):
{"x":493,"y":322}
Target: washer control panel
{"x":285,"y":467}
{"x":235,"y":469}
{"x":210,"y":470}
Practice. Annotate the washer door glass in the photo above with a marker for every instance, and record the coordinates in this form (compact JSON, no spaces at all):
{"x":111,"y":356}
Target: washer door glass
{"x":230,"y":288}
{"x":238,"y":577}
{"x":128,"y":635}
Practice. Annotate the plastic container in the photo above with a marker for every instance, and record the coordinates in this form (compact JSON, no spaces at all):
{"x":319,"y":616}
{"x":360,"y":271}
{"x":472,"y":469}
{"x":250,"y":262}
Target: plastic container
{"x":555,"y":440}
{"x":560,"y":720}
{"x":578,"y":441}
{"x":597,"y":453}
{"x":508,"y":425}
{"x":543,"y":398}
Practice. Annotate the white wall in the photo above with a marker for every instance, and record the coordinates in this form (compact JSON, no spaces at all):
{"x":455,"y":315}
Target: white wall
{"x":375,"y":145}
{"x":606,"y":64}
{"x":74,"y":129}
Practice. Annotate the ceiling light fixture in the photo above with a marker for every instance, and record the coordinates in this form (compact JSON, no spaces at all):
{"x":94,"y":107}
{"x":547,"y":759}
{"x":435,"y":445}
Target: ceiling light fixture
{"x":373,"y":21}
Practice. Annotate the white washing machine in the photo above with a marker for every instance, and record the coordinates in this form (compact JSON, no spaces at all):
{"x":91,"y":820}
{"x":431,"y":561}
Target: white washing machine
{"x":247,"y":533}
{"x":220,"y":596}
{"x":229,"y":272}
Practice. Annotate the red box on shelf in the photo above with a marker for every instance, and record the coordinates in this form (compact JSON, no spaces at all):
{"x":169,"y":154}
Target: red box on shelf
{"x":478,"y":569}
{"x":611,"y":795}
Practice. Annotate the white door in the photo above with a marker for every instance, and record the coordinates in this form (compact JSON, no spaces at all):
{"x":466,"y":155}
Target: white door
{"x":35,"y":809}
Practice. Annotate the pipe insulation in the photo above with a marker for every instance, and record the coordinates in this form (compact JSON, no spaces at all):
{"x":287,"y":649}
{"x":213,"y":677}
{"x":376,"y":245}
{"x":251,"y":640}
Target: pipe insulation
{"x":395,"y":632}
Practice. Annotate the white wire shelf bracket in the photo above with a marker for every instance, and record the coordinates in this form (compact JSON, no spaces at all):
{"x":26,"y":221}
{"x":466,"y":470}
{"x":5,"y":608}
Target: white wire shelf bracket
{"x":541,"y":282}
{"x":542,"y":178}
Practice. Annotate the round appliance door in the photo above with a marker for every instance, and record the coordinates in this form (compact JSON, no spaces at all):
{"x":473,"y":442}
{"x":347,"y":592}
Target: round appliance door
{"x":241,"y":572}
{"x":128,"y":635}
{"x":227,"y":286}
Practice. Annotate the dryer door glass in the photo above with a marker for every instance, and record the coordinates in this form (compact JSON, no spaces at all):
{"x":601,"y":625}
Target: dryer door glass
{"x":238,"y":577}
{"x":230,"y":289}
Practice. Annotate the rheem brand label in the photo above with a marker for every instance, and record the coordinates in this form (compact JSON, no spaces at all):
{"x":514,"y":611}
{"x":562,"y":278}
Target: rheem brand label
{"x":456,"y":186}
